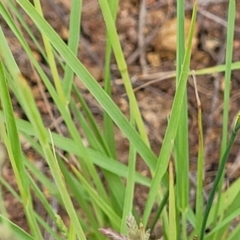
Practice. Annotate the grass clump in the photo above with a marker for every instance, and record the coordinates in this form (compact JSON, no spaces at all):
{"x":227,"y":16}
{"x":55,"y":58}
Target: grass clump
{"x":77,"y":170}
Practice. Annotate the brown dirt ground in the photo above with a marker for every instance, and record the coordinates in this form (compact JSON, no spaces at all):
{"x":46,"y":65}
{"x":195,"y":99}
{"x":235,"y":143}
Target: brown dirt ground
{"x":149,"y":48}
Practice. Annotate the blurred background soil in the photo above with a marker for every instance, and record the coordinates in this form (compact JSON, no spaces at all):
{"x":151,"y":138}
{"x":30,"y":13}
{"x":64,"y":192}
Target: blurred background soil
{"x":148,"y":37}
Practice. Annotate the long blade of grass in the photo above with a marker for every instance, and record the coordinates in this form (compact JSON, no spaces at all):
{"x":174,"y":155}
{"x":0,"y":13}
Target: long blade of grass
{"x":107,"y":121}
{"x":181,"y":151}
{"x":113,"y":36}
{"x":73,"y":40}
{"x":200,"y":164}
{"x":217,"y":69}
{"x":129,"y":192}
{"x":227,"y":82}
{"x":172,"y":125}
{"x":92,"y":123}
{"x":50,"y":58}
{"x":227,"y":86}
{"x":172,"y":205}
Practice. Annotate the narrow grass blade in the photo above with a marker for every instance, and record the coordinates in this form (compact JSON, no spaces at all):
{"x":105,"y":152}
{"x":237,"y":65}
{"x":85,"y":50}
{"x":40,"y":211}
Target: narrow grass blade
{"x":172,"y":126}
{"x":91,"y":121}
{"x":200,"y":164}
{"x":227,"y":86}
{"x":129,"y":192}
{"x":50,"y":58}
{"x":107,"y":121}
{"x":227,"y":83}
{"x":181,"y":150}
{"x":73,"y":40}
{"x":113,"y":36}
{"x":160,"y":209}
{"x":172,"y":205}
{"x":218,"y":69}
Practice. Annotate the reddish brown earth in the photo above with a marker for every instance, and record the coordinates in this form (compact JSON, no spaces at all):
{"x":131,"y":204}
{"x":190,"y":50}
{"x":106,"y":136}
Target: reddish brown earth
{"x":149,"y":47}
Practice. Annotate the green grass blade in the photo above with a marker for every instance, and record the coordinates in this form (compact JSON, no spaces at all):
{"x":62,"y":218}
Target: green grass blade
{"x":172,"y":206}
{"x":50,"y":58}
{"x":227,"y":86}
{"x":92,"y":123}
{"x":160,"y":209}
{"x":112,"y":33}
{"x":107,"y":121}
{"x":218,"y":69}
{"x":129,"y":192}
{"x":181,"y":150}
{"x":172,"y":126}
{"x":227,"y":83}
{"x":73,"y":40}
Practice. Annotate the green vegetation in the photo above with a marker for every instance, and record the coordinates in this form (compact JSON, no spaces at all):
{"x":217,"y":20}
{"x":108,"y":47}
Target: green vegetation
{"x":77,"y":186}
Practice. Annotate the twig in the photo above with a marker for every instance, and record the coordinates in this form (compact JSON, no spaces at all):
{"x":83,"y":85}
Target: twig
{"x":215,"y":18}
